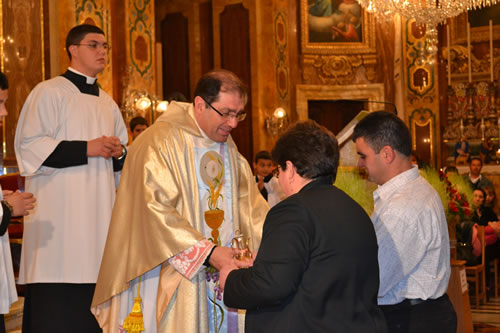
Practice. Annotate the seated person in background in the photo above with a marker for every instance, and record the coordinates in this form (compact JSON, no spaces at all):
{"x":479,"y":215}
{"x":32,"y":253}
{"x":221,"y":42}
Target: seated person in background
{"x":475,"y":178}
{"x":137,"y":126}
{"x":462,"y":151}
{"x":486,"y":151}
{"x":451,"y":170}
{"x":416,"y":160}
{"x":316,"y":269}
{"x":491,"y":198}
{"x":484,"y":216}
{"x":268,"y":185}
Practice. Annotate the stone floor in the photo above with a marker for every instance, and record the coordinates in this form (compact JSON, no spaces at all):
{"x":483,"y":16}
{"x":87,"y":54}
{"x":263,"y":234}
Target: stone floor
{"x":486,"y":319}
{"x":14,"y":319}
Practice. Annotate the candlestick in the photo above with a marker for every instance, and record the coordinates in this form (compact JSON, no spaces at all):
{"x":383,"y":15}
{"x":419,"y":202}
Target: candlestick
{"x":491,"y":50}
{"x":449,"y":53}
{"x":468,"y":50}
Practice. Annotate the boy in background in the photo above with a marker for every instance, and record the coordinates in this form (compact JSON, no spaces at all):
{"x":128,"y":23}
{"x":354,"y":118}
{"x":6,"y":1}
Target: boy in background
{"x":137,"y":126}
{"x":268,"y":185}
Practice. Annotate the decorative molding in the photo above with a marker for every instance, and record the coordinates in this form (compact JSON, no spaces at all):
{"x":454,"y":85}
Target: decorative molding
{"x":332,"y":69}
{"x":368,"y":92}
{"x":281,"y":64}
{"x":424,"y":117}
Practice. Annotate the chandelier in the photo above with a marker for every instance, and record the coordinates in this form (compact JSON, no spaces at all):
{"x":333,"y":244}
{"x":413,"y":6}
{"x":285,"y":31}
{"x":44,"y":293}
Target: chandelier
{"x":425,"y":12}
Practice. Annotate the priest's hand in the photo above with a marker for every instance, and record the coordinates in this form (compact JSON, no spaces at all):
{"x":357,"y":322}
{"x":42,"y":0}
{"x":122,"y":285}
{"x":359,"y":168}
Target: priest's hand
{"x":103,"y":147}
{"x":21,"y":202}
{"x":221,"y":257}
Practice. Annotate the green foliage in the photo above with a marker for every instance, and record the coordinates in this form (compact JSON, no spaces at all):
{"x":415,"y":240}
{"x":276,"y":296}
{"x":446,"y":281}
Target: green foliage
{"x":433,"y":177}
{"x":360,"y":190}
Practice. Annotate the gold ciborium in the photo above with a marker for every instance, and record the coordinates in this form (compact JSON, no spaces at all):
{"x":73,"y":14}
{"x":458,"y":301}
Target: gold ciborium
{"x":241,"y":245}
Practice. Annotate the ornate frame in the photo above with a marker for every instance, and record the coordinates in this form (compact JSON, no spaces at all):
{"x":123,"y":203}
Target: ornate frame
{"x":367,"y":45}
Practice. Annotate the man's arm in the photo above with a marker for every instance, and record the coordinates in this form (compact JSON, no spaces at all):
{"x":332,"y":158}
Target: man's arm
{"x":279,"y":265}
{"x":401,"y":247}
{"x":74,"y":153}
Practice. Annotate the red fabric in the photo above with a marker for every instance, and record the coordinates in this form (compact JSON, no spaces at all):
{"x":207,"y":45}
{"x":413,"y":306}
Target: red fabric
{"x":490,"y":235}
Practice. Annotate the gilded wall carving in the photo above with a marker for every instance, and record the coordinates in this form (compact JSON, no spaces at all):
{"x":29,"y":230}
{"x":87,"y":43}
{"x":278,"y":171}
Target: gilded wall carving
{"x":22,"y":60}
{"x":96,"y":12}
{"x":140,"y":45}
{"x":422,"y":91}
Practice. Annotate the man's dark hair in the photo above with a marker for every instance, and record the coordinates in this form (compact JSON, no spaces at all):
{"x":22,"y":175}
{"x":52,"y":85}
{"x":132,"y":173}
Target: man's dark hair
{"x":262,"y":155}
{"x":475,"y":158}
{"x":216,"y":81}
{"x":380,"y":129}
{"x":4,"y":83}
{"x":137,"y":121}
{"x":313,"y":150}
{"x":78,"y":33}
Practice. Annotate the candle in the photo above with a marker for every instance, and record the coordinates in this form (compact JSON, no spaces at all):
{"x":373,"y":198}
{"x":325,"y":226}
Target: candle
{"x":491,"y":50}
{"x":468,"y":50}
{"x":449,"y":53}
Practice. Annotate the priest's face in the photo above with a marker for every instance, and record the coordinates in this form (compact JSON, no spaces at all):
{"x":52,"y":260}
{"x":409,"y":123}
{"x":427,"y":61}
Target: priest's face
{"x":4,"y":94}
{"x":215,"y":126}
{"x":90,"y":55}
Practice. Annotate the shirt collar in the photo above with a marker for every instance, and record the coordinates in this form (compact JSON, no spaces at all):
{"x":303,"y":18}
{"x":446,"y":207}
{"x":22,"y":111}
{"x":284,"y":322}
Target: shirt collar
{"x":474,"y":180}
{"x":90,"y":79}
{"x":386,"y":190}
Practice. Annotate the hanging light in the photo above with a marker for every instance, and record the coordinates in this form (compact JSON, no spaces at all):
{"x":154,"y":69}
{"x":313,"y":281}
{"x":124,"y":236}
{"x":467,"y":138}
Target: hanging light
{"x":427,"y":13}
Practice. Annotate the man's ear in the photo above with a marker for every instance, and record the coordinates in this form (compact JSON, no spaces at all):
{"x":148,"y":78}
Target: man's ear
{"x":199,"y":104}
{"x":71,"y":50}
{"x":388,"y":154}
{"x":291,"y":168}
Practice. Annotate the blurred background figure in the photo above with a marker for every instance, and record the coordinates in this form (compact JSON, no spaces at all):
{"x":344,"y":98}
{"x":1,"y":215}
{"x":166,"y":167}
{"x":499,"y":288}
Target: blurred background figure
{"x":462,"y":151}
{"x":137,"y":126}
{"x":268,"y":185}
{"x":486,"y":151}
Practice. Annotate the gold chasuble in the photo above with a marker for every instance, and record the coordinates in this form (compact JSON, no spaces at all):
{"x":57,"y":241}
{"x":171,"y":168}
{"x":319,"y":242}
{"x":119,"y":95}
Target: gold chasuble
{"x":157,"y":216}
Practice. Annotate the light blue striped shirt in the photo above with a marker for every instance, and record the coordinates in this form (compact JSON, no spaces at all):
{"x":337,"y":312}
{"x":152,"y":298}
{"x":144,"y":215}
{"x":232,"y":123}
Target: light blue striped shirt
{"x":412,"y":235}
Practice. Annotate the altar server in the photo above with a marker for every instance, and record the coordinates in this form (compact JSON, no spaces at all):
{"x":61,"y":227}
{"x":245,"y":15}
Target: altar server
{"x":70,"y":138}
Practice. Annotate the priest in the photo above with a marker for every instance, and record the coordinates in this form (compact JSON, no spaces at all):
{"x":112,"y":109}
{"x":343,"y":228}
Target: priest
{"x":184,"y":193}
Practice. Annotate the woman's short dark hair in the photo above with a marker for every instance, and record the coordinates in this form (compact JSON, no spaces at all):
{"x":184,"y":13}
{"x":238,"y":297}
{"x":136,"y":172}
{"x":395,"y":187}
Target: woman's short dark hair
{"x":380,"y":129}
{"x":220,"y":80}
{"x":78,"y":33}
{"x":313,"y":150}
